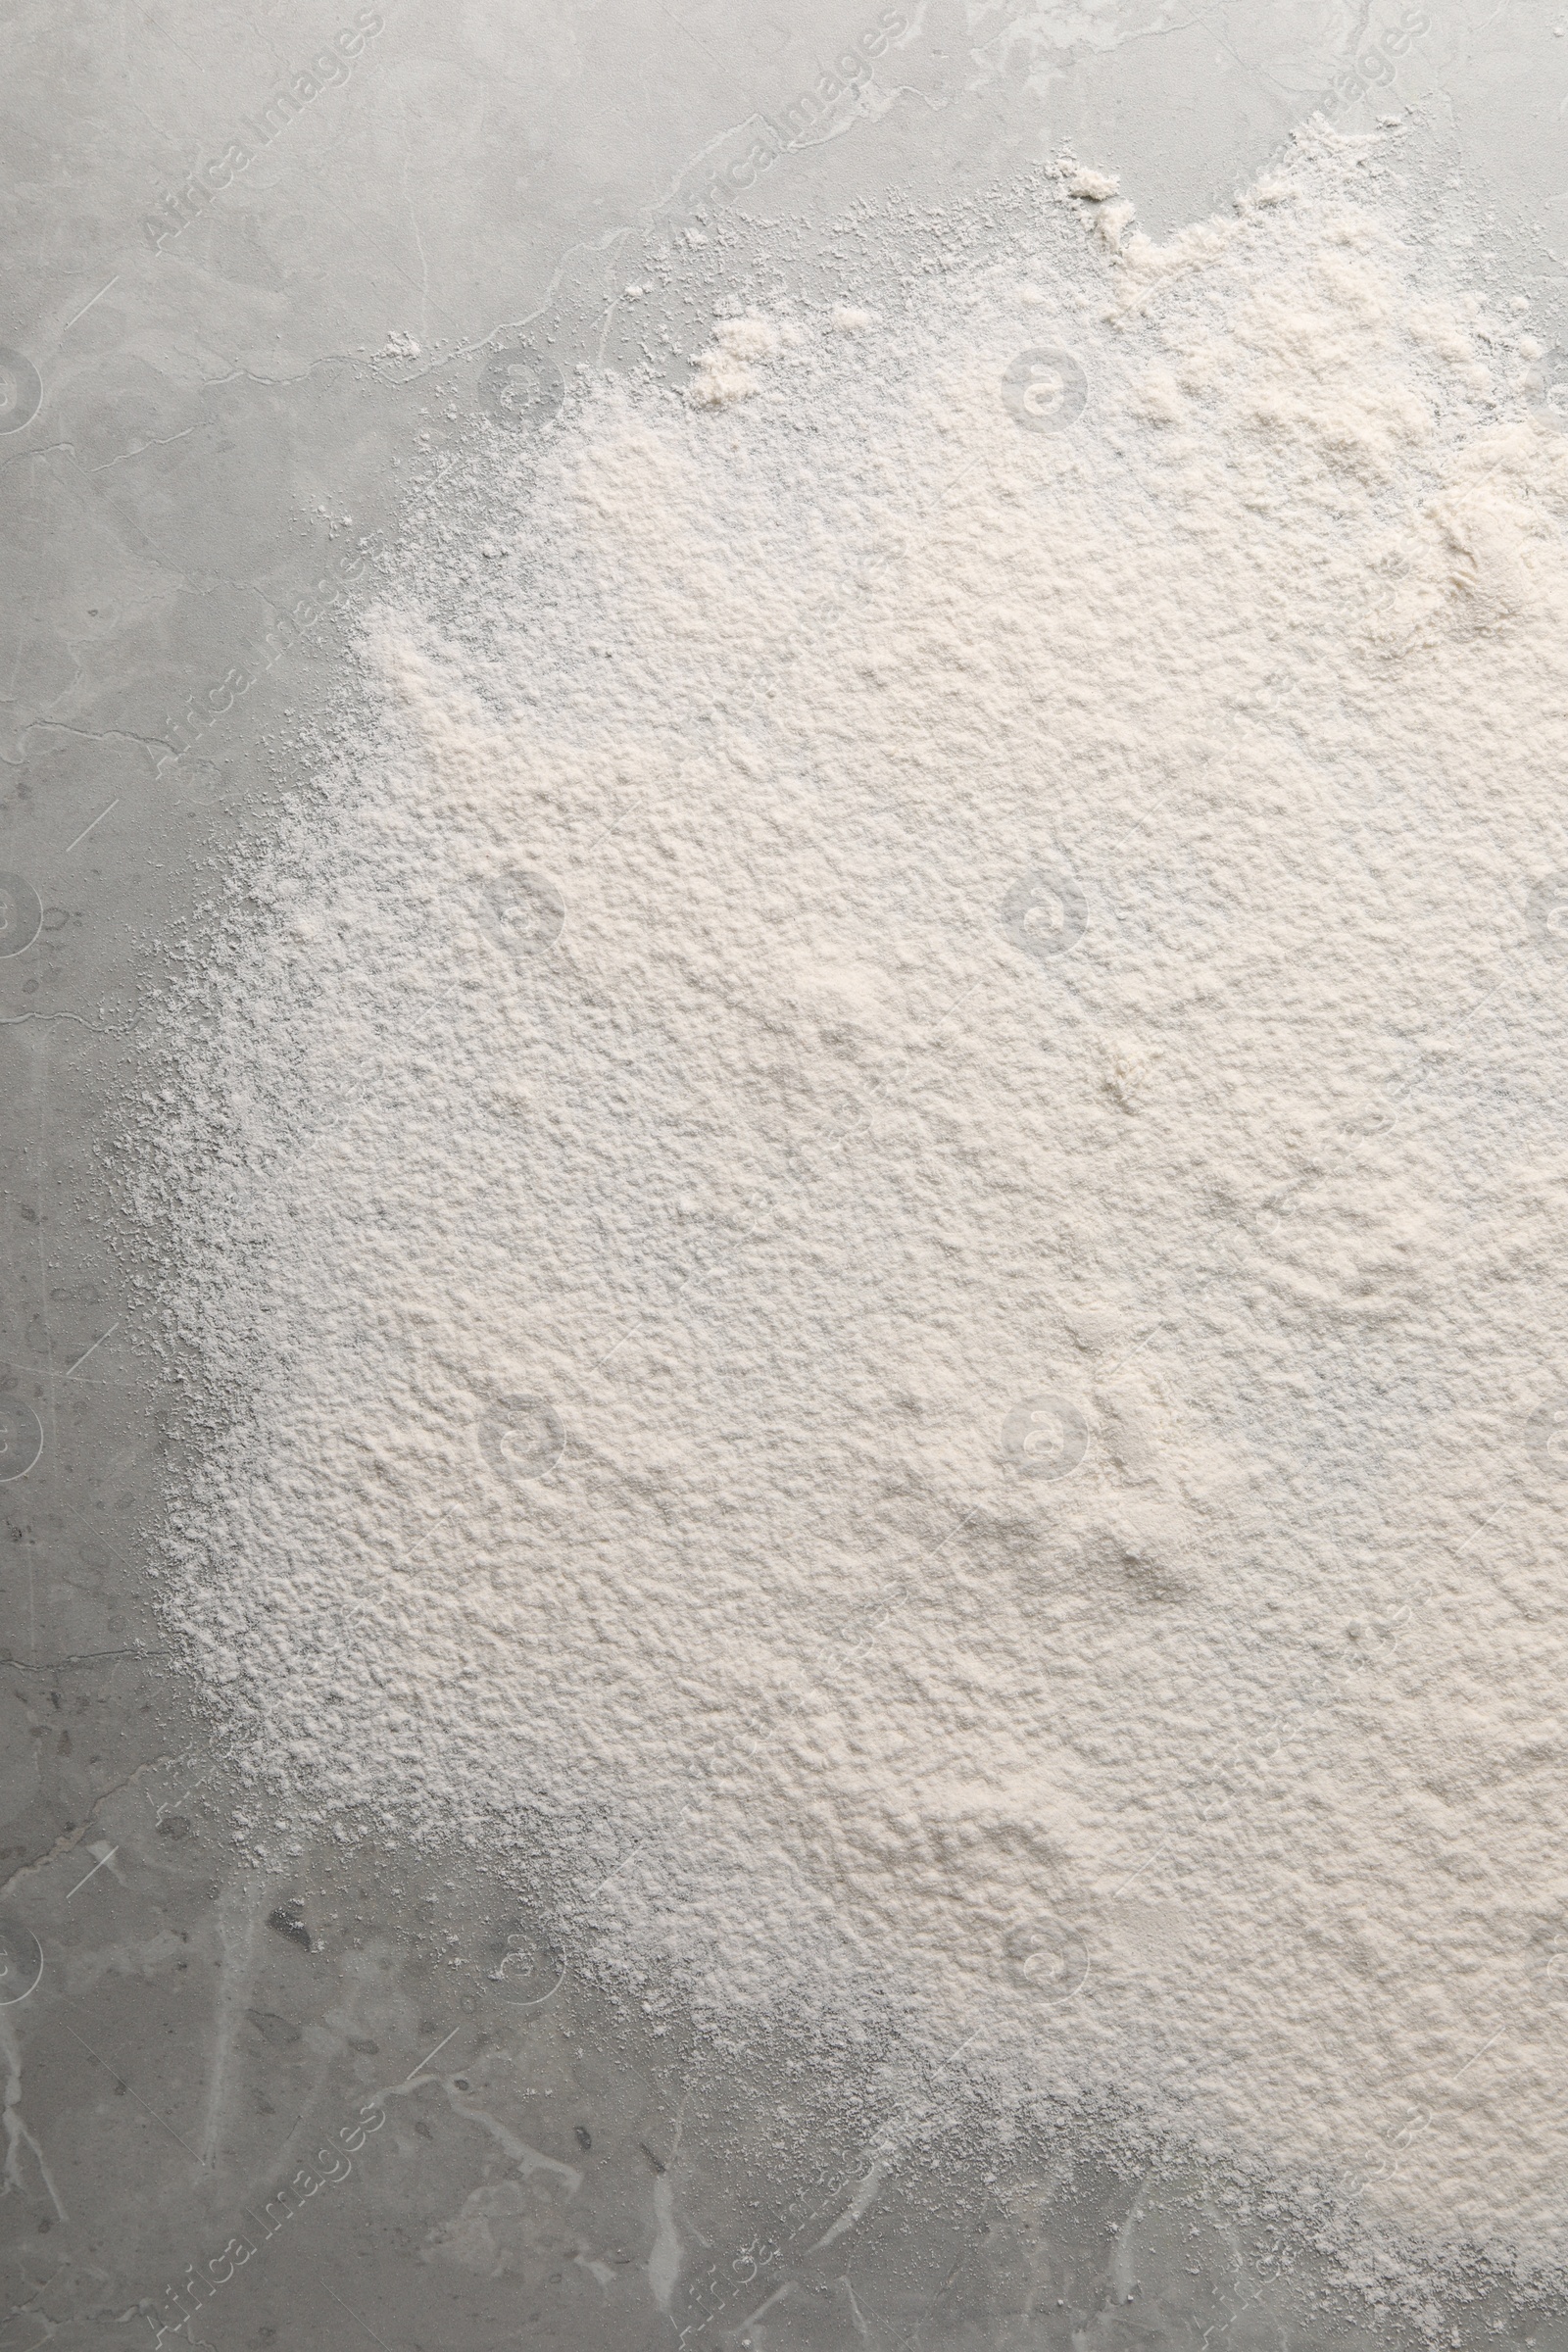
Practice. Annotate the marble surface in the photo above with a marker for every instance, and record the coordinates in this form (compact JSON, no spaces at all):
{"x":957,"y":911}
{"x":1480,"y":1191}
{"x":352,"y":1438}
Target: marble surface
{"x":264,"y":272}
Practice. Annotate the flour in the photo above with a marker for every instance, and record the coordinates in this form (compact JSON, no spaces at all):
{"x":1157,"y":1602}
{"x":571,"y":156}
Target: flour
{"x":1080,"y":181}
{"x":883,"y":1189}
{"x":723,"y":373}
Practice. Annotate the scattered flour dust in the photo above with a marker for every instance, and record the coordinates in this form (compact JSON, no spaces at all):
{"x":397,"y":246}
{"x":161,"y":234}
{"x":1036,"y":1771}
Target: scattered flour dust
{"x":882,"y":1189}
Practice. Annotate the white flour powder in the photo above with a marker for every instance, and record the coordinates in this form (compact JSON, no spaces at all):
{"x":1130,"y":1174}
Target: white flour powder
{"x":885,"y":1180}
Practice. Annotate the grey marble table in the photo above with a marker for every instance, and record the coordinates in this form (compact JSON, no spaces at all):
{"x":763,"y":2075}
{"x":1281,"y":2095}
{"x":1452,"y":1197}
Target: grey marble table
{"x":264,"y":271}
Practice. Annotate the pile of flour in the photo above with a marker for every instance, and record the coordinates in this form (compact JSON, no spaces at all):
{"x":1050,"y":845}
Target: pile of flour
{"x":882,"y":1185}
